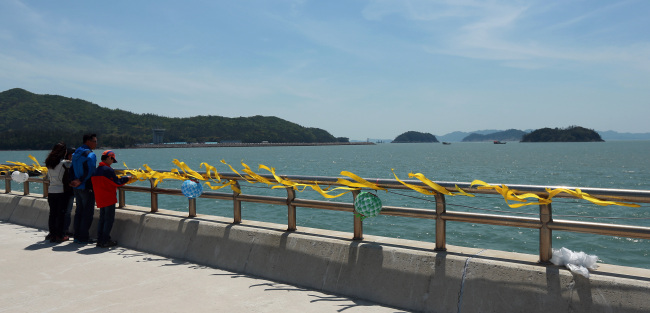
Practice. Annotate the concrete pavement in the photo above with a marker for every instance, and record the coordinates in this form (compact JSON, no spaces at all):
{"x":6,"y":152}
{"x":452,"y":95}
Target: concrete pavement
{"x":39,"y":276}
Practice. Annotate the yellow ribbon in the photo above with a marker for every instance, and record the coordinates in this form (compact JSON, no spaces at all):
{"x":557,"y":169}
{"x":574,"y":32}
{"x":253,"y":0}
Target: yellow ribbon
{"x":360,"y":182}
{"x":509,"y":195}
{"x":23,"y":167}
{"x":187,"y":170}
{"x":283,"y":181}
{"x":414,"y":187}
{"x":437,"y":187}
{"x":256,"y":176}
{"x":585,"y":196}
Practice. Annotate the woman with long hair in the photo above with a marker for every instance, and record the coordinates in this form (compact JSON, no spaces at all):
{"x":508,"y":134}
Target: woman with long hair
{"x":57,"y":199}
{"x":69,"y":193}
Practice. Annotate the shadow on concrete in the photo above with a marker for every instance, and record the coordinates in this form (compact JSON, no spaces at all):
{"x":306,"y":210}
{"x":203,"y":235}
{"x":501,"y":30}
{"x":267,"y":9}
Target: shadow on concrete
{"x":275,"y":286}
{"x":357,"y":302}
{"x":70,"y":247}
{"x":44,"y":244}
{"x":92,"y":250}
{"x":125,"y":253}
{"x":147,"y":257}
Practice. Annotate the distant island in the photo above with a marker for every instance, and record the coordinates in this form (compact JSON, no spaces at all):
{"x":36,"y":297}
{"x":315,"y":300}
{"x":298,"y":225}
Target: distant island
{"x":32,"y":121}
{"x":569,"y":134}
{"x":506,"y":135}
{"x":413,"y":136}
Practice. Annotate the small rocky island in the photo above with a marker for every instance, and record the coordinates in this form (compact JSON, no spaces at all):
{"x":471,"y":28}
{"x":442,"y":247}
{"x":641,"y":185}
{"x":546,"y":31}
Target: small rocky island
{"x":569,"y":134}
{"x":413,"y":136}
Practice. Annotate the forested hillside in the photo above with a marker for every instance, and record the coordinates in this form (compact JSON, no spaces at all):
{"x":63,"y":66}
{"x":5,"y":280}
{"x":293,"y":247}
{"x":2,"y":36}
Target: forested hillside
{"x":31,"y":121}
{"x":413,"y":136}
{"x":570,"y":134}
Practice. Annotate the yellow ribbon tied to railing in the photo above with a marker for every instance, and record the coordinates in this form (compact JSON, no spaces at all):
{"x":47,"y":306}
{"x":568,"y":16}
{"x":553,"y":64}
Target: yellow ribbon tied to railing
{"x":511,"y":195}
{"x":439,"y":188}
{"x":436,"y":188}
{"x":585,"y":196}
{"x":23,"y":167}
{"x":283,"y":181}
{"x":359,"y":182}
{"x":355,"y":183}
{"x":217,"y":179}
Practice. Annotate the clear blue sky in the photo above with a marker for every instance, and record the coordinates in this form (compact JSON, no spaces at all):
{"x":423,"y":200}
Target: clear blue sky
{"x":357,"y":69}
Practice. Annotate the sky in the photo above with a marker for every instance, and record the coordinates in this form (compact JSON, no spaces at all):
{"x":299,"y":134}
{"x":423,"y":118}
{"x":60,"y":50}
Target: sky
{"x":356,"y":68}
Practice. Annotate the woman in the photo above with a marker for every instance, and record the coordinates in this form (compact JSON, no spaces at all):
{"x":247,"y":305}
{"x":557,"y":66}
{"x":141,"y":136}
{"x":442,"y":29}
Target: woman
{"x":69,"y":193}
{"x":57,"y":198}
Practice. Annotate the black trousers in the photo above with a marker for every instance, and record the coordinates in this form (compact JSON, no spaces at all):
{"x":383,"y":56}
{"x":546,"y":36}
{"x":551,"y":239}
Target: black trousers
{"x":58,"y":204}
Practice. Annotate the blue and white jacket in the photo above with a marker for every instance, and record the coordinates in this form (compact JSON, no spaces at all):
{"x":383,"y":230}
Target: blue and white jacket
{"x":84,"y":162}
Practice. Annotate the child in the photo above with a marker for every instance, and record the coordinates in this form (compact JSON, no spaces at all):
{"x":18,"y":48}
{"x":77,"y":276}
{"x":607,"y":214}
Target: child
{"x":105,"y":184}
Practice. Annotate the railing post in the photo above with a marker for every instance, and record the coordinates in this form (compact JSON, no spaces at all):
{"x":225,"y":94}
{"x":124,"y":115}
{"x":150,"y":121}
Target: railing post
{"x":122,"y":198}
{"x":236,"y":203}
{"x":545,"y":234}
{"x":192,"y":204}
{"x":441,"y":224}
{"x":358,"y":223}
{"x":46,"y":187}
{"x":7,"y":183}
{"x":154,"y":196}
{"x":26,"y":188}
{"x":291,"y":209}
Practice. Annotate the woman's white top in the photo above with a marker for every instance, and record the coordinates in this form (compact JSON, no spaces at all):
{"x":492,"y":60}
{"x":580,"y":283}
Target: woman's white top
{"x":56,"y":176}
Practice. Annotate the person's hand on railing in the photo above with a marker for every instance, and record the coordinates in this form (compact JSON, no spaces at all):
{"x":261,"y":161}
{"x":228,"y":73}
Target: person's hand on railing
{"x":132,"y":179}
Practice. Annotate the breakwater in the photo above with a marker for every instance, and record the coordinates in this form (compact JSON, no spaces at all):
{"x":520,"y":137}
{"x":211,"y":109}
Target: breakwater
{"x":401,"y":273}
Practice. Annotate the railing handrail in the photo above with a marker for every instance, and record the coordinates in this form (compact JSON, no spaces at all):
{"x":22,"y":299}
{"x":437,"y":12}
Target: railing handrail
{"x":544,"y":222}
{"x":632,"y":195}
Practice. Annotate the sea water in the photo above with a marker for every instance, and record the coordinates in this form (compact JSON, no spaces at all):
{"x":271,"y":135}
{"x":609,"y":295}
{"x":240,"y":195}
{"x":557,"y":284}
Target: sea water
{"x":615,"y":164}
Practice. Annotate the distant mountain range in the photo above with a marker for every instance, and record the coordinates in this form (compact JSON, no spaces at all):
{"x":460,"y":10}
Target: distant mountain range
{"x":507,"y":135}
{"x":458,"y":136}
{"x":612,"y":135}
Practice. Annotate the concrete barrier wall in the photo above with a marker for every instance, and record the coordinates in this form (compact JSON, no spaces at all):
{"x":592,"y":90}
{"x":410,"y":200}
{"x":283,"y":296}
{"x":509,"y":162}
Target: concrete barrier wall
{"x":401,"y":273}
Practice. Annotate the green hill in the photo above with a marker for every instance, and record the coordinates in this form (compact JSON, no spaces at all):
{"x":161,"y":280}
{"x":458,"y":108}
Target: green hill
{"x":31,"y":121}
{"x":570,"y":134}
{"x":506,"y":135}
{"x":413,"y":136}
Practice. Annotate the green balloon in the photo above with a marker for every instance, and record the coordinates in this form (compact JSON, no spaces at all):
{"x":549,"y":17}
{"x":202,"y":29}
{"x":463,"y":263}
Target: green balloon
{"x":367,"y":205}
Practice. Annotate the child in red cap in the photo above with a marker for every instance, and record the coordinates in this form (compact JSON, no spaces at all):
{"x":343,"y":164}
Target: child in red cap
{"x":105,"y":184}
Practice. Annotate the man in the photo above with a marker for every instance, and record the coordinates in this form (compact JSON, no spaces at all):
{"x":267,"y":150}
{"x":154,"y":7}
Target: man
{"x":105,"y":184}
{"x":84,"y":162}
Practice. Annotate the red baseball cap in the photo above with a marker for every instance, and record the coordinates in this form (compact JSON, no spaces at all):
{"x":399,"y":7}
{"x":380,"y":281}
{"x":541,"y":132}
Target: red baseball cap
{"x":110,"y":153}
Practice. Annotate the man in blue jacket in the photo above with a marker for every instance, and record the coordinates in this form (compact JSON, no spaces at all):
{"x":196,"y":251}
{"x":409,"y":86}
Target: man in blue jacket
{"x":84,"y":162}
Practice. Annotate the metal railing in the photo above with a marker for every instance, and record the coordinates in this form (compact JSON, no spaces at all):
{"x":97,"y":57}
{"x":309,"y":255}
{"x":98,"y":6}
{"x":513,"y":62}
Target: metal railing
{"x":544,"y":222}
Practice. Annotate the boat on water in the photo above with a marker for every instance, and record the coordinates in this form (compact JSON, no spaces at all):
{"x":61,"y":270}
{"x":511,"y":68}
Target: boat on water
{"x":446,"y":143}
{"x":497,"y":142}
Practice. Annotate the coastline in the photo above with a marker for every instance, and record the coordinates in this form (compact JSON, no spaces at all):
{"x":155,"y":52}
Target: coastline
{"x":260,"y":144}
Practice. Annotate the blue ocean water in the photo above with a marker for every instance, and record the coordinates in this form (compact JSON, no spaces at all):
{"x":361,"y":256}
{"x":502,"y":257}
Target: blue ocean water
{"x":614,"y":164}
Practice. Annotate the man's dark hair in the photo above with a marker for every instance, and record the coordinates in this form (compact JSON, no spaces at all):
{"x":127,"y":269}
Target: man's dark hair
{"x":104,"y":157}
{"x":88,"y":137}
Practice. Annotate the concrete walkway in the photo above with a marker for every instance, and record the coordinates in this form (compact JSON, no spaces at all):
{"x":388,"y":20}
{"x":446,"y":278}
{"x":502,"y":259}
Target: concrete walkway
{"x":39,"y":276}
